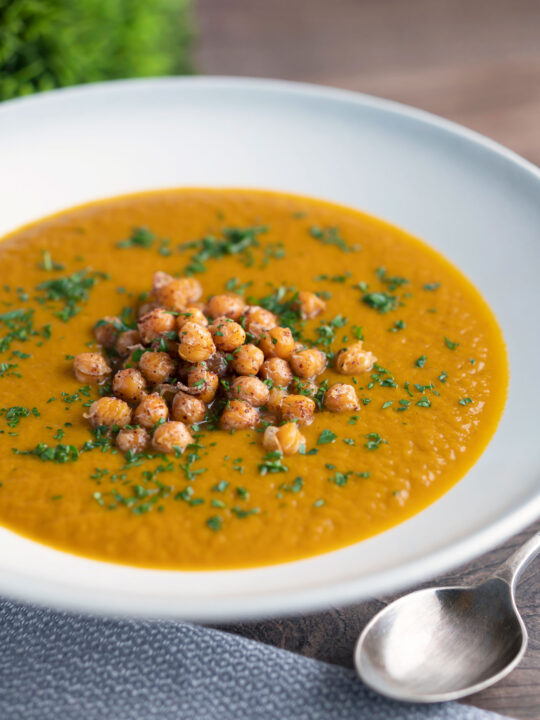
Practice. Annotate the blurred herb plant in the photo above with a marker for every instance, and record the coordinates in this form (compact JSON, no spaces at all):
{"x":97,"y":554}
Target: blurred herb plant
{"x":52,"y":43}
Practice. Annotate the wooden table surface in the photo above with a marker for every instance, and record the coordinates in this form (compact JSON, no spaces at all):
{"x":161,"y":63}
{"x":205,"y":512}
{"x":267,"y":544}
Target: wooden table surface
{"x":474,"y":61}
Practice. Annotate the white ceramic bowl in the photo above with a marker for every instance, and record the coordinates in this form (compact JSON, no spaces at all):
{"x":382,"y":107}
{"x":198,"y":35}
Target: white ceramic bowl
{"x":470,"y":198}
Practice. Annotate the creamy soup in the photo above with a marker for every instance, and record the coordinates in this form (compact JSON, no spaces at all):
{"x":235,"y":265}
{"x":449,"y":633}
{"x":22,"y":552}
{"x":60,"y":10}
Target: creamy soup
{"x":422,"y":411}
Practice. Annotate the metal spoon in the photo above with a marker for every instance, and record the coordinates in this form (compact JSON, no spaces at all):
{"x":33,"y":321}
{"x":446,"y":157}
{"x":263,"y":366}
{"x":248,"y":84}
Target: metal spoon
{"x":444,"y":643}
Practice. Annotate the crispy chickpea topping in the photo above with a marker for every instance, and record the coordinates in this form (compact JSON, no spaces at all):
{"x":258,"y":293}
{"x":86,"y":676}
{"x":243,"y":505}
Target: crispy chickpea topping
{"x":231,"y":306}
{"x":277,"y":342}
{"x":191,"y":314}
{"x":353,"y":360}
{"x":275,"y":399}
{"x":257,"y":320}
{"x":133,"y":440}
{"x":157,"y":367}
{"x":239,"y":415}
{"x":154,"y":324}
{"x":251,"y":390}
{"x":286,"y":439}
{"x":91,"y":367}
{"x":172,"y":295}
{"x":151,"y":410}
{"x":220,"y":364}
{"x":308,"y":363}
{"x":227,"y":334}
{"x":188,"y":408}
{"x":310,"y":305}
{"x":107,"y":330}
{"x":129,"y":385}
{"x":277,"y":371}
{"x":170,"y":436}
{"x":298,"y":408}
{"x":204,"y":381}
{"x":126,"y":341}
{"x":341,"y":398}
{"x":247,"y":359}
{"x":195,"y":343}
{"x":109,"y":412}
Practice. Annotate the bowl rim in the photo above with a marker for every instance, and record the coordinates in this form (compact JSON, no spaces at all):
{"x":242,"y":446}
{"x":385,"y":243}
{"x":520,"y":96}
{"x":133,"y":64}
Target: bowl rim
{"x":308,"y":598}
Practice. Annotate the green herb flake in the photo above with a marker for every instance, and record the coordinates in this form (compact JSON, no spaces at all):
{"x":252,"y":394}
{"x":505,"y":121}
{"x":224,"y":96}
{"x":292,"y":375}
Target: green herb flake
{"x":326,"y":436}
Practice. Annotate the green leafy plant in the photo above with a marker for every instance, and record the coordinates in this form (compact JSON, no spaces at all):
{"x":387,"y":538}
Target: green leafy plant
{"x":53,"y":43}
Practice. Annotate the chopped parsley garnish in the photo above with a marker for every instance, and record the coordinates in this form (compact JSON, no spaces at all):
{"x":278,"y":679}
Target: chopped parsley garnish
{"x":374,"y":441}
{"x":72,"y":291}
{"x":431,"y":286}
{"x":465,"y":401}
{"x":140,"y":237}
{"x":380,"y":301}
{"x":272,"y":463}
{"x":326,"y":436}
{"x":450,"y":345}
{"x":215,"y":522}
{"x":393,"y":282}
{"x":421,"y":361}
{"x":424,"y":402}
{"x":48,"y":264}
{"x":331,"y":236}
{"x":233,"y":242}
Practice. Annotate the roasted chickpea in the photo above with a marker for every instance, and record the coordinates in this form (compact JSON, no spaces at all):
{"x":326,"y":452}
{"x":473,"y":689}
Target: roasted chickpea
{"x":150,"y":411}
{"x":310,"y":305}
{"x":132,"y":440}
{"x":228,"y":335}
{"x":187,"y":408}
{"x":191,"y":314}
{"x":305,"y":387}
{"x":172,"y":295}
{"x":298,"y":408}
{"x":341,"y":398}
{"x":247,"y":360}
{"x":277,"y":342}
{"x":239,"y":415}
{"x":157,"y":367}
{"x":170,"y":436}
{"x":286,"y":439}
{"x":231,"y":306}
{"x":193,"y":290}
{"x":353,"y":360}
{"x":160,"y":279}
{"x":200,"y":378}
{"x":107,"y":330}
{"x":195,"y":343}
{"x":90,"y":367}
{"x":109,"y":412}
{"x":278,"y":371}
{"x":155,"y":323}
{"x":126,"y":341}
{"x":251,"y":390}
{"x":258,"y":320}
{"x":129,"y":385}
{"x":275,"y":399}
{"x":308,"y":363}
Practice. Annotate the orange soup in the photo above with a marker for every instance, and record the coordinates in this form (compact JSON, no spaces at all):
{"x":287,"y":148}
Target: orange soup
{"x":422,"y":410}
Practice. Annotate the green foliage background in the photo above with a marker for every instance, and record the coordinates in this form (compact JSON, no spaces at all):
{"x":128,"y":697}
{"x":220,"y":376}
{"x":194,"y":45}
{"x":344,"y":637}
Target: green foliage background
{"x":52,"y":43}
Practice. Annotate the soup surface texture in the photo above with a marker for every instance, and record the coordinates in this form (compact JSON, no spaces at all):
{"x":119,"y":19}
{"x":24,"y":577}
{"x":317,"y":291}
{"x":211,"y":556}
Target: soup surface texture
{"x":426,"y":410}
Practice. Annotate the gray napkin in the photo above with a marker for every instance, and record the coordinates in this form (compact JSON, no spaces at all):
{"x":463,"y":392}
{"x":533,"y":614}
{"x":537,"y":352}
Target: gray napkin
{"x":59,"y":666}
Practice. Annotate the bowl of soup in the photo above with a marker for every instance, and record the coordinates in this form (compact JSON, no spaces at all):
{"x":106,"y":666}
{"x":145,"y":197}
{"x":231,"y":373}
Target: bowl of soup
{"x":255,"y":347}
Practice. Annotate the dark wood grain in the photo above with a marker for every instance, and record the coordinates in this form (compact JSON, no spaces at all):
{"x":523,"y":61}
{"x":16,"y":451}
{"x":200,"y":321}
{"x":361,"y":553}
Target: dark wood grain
{"x":474,"y":61}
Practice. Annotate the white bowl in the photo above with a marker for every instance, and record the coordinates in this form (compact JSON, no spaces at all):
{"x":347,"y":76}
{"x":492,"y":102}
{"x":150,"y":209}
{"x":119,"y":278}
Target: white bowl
{"x":470,"y":198}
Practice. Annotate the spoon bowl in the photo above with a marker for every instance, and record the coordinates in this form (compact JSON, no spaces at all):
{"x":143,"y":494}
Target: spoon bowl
{"x":441,"y":644}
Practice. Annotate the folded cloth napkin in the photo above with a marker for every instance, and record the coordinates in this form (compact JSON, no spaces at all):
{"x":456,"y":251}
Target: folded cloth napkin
{"x":60,"y":666}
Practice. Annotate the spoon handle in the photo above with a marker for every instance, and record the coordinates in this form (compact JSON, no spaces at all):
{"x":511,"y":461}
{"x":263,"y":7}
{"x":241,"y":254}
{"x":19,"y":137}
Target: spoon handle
{"x":512,"y":568}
